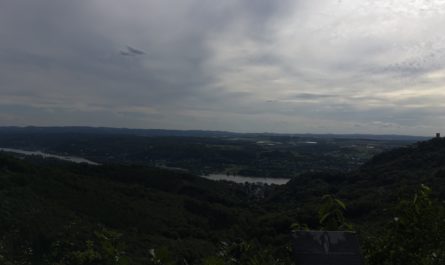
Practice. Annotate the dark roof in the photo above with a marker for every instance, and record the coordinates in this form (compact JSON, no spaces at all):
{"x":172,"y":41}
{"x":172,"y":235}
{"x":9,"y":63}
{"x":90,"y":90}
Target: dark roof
{"x":326,"y":248}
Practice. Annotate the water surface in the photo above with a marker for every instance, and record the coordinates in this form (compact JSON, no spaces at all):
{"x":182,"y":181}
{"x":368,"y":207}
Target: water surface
{"x":46,"y":155}
{"x":242,"y":179}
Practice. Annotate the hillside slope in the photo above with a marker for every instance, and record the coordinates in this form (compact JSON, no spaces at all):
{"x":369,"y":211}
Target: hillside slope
{"x":54,"y":212}
{"x":47,"y":212}
{"x":376,"y":185}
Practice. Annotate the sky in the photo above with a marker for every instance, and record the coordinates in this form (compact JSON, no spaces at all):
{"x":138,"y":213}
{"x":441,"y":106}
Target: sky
{"x":287,"y":66}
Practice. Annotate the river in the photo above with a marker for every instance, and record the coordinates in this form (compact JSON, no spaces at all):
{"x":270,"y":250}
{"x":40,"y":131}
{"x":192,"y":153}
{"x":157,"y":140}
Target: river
{"x":242,"y":179}
{"x":216,"y":177}
{"x":46,"y":155}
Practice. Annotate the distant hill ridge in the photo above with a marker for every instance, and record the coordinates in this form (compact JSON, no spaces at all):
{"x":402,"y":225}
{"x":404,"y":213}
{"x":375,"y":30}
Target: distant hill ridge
{"x":195,"y":133}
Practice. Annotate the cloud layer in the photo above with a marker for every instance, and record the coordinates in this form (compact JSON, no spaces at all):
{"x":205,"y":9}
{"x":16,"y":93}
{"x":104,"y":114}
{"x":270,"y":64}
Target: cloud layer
{"x":343,"y":66}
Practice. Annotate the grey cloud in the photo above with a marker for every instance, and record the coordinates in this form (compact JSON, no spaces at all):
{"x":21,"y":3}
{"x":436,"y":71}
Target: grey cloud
{"x":314,"y":96}
{"x":130,"y":51}
{"x":233,"y":65}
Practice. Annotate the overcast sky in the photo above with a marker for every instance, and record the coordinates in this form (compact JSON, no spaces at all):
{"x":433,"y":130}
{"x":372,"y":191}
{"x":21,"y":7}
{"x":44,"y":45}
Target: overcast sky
{"x":319,"y":66}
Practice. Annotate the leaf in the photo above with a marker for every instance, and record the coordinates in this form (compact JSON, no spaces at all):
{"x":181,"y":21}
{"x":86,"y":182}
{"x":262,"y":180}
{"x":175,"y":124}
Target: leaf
{"x":324,"y":217}
{"x":340,"y":203}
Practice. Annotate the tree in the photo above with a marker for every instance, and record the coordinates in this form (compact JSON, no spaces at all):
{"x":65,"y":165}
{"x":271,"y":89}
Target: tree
{"x":415,"y":235}
{"x":331,"y":214}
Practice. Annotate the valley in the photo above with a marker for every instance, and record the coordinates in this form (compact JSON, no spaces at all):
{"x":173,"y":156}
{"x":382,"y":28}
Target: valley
{"x":204,"y":153}
{"x":125,"y":211}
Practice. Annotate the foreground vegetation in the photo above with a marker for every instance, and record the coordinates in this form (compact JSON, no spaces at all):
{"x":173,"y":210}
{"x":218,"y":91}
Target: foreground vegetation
{"x":54,"y":212}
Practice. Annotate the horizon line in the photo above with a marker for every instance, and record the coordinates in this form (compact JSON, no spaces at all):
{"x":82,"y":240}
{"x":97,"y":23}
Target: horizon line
{"x":215,"y":131}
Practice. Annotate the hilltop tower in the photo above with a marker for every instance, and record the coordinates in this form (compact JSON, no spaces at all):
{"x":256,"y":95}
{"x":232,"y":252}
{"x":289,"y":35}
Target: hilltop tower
{"x":438,"y":135}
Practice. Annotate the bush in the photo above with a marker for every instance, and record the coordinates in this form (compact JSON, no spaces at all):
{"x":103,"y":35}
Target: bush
{"x":415,"y":236}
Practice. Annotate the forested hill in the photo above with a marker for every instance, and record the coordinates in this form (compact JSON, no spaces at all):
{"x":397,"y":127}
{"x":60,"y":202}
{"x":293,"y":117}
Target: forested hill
{"x":425,"y":155}
{"x":377,"y":184}
{"x":54,"y":212}
{"x":48,"y":214}
{"x":423,"y":162}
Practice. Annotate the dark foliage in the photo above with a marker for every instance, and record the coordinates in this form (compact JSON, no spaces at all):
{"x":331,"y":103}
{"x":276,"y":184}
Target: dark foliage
{"x":54,"y":212}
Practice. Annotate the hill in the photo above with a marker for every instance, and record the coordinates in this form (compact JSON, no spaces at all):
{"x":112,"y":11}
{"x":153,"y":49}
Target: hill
{"x":372,"y":188}
{"x":54,"y":212}
{"x":193,"y":133}
{"x":48,"y":213}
